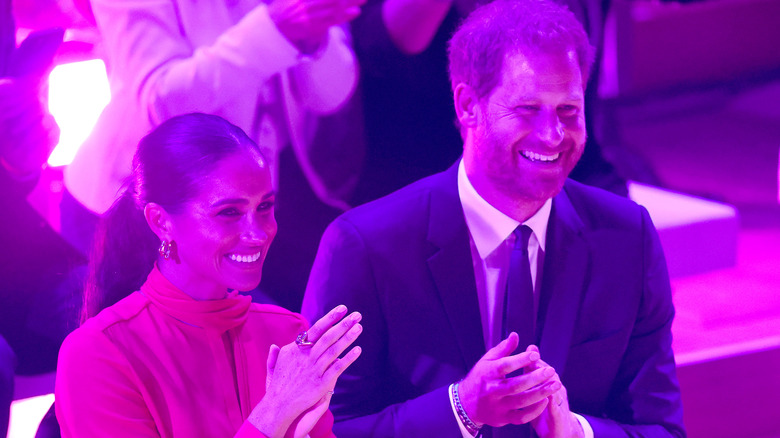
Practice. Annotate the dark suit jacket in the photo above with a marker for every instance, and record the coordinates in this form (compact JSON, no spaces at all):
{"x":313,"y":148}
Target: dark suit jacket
{"x":404,"y":262}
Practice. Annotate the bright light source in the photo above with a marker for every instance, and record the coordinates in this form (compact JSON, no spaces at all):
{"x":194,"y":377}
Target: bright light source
{"x":78,"y":92}
{"x":26,"y":415}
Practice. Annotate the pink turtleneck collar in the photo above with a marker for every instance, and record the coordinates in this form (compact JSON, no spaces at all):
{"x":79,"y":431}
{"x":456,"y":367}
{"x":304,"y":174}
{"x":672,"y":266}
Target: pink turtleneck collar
{"x":220,"y":315}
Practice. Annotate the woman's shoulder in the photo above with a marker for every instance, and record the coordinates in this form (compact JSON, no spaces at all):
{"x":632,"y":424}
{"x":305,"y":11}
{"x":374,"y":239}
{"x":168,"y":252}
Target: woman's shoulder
{"x":124,"y":310}
{"x":121,"y":312}
{"x":89,"y":348}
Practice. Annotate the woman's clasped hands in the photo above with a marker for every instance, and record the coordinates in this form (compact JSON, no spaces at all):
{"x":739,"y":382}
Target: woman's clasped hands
{"x":301,"y":375}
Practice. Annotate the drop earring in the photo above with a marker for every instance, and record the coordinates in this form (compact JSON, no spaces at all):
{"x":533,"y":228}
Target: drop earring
{"x":165,"y":249}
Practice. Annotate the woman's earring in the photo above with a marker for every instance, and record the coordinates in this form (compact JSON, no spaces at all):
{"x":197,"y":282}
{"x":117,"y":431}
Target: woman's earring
{"x":165,"y":249}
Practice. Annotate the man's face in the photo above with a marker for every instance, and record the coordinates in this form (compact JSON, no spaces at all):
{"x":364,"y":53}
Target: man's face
{"x":531,"y":128}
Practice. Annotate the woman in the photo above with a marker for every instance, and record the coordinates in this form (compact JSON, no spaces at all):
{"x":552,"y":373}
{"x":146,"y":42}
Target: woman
{"x":274,"y":68}
{"x":175,"y":351}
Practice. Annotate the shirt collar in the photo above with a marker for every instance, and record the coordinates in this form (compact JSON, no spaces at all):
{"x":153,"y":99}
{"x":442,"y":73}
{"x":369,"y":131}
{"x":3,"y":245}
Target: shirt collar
{"x":488,"y":226}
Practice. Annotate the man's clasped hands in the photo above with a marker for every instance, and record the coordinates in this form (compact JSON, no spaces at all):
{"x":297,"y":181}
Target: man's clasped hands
{"x":493,"y":395}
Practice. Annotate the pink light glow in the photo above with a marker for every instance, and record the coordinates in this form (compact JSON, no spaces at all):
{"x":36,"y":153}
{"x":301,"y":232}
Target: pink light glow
{"x":78,"y":92}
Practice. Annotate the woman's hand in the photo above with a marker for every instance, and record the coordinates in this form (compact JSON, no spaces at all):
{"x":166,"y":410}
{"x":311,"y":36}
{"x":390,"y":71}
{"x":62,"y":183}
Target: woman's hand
{"x":301,"y":378}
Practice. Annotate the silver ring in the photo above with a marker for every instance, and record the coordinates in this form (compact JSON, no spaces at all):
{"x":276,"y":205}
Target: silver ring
{"x":303,"y":340}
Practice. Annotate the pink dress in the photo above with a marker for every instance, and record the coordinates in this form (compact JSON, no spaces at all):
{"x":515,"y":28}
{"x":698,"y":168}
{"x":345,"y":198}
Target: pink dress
{"x":160,"y":364}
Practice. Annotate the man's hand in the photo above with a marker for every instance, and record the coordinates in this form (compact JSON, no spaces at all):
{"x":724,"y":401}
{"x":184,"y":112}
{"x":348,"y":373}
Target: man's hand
{"x":556,"y":421}
{"x":489,"y":397}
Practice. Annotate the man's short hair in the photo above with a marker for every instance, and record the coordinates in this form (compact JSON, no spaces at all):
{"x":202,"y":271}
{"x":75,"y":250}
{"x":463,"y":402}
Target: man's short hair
{"x":503,"y":27}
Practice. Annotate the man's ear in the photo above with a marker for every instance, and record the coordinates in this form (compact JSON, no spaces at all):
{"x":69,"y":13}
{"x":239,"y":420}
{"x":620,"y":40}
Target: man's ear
{"x":466,"y":105}
{"x":159,"y":221}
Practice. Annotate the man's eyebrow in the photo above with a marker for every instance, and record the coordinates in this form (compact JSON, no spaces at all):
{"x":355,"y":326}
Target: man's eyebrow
{"x":517,"y":99}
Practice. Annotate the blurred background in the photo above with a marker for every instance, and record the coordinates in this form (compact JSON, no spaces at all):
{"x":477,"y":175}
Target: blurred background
{"x":692,"y":118}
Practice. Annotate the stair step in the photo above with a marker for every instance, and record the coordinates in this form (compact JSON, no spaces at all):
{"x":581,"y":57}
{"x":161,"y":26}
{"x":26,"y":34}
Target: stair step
{"x":697,"y":235}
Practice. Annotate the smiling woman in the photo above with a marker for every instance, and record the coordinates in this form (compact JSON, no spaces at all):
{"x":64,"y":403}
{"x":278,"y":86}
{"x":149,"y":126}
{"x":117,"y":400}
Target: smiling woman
{"x":168,"y":347}
{"x":219,"y":239}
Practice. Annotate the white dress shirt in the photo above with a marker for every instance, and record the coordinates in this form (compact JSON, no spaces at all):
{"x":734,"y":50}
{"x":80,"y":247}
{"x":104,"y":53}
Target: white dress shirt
{"x":491,"y":237}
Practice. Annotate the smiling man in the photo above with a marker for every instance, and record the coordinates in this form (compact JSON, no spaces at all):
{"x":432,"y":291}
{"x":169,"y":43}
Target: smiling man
{"x":499,"y":297}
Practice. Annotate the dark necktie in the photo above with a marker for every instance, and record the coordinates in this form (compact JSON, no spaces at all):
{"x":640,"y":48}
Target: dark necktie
{"x":518,"y":314}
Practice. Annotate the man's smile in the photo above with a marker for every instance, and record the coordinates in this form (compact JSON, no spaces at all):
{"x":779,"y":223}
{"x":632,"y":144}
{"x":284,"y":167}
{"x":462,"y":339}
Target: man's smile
{"x":535,"y":156}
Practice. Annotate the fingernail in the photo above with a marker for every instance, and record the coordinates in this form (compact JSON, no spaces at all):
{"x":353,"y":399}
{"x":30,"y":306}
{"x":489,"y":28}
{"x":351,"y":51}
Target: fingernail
{"x":549,"y":371}
{"x":534,"y":356}
{"x":341,"y":308}
{"x":357,"y":316}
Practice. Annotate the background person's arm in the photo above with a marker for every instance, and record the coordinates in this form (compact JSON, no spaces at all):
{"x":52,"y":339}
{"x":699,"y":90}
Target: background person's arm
{"x":170,"y":74}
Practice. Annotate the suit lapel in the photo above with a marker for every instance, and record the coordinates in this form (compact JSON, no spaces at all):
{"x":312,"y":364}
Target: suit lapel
{"x":451,"y":267}
{"x":565,"y":267}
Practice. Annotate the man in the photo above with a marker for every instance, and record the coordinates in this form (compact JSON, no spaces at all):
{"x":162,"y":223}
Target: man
{"x":401,"y":46}
{"x":429,"y":266}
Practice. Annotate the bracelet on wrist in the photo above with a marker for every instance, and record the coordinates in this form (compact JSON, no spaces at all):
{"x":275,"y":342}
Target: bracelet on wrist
{"x":471,"y":426}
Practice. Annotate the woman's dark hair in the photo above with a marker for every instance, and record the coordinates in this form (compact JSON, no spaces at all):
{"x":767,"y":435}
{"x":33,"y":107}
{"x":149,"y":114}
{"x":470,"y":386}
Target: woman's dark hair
{"x":167,"y":166}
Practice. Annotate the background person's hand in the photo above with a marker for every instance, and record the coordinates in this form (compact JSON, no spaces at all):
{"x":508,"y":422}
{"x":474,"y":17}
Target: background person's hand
{"x":489,"y":397}
{"x":28,"y":133}
{"x":300,"y":379}
{"x":556,"y":421}
{"x":305,"y":23}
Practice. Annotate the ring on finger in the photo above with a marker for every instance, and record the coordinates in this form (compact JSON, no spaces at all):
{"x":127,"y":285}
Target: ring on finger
{"x":303,"y":340}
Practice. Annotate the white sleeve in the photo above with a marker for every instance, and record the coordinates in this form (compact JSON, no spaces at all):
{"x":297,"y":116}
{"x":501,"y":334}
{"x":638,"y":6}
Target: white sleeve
{"x":151,"y":56}
{"x":325,"y":82}
{"x":585,"y":425}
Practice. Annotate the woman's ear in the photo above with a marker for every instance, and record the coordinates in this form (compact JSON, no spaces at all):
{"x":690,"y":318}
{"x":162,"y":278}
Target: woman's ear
{"x":466,"y":105}
{"x":159,"y":221}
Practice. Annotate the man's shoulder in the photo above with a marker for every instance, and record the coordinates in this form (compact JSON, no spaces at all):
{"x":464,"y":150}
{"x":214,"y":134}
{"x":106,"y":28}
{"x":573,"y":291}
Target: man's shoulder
{"x":406,"y":207}
{"x":599,"y":208}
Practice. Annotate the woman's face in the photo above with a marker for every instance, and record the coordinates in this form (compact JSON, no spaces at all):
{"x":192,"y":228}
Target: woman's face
{"x":222,"y":235}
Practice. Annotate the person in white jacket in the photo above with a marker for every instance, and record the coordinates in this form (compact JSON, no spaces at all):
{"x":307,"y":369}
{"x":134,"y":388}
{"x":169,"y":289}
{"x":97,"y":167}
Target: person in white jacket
{"x":270,"y":68}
